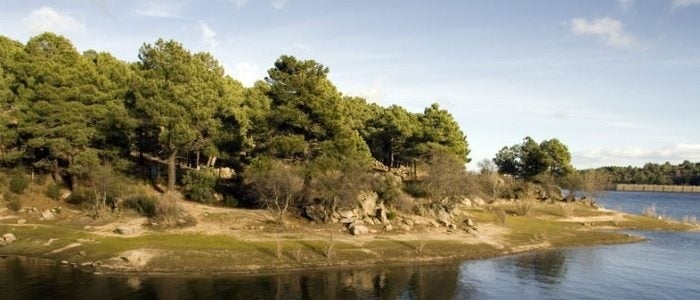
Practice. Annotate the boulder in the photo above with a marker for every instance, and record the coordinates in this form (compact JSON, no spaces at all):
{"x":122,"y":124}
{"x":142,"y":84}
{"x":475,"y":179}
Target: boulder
{"x":347,"y":221}
{"x":8,"y":238}
{"x":316,"y":213}
{"x":21,"y":221}
{"x":359,"y":229}
{"x":408,"y":222}
{"x":388,"y":227}
{"x":368,"y":202}
{"x":467,"y":202}
{"x":478,"y":202}
{"x":469,"y":222}
{"x":65,"y":195}
{"x":225,"y":173}
{"x":381,"y":214}
{"x":368,"y":221}
{"x":48,"y":215}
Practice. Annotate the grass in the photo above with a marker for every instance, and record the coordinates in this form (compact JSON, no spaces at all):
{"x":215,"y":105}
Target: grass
{"x":313,"y":247}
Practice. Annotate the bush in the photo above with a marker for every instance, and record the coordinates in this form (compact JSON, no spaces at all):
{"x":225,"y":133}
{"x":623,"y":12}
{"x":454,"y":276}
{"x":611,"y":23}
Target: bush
{"x":167,"y":212}
{"x":387,"y":188}
{"x":79,"y":196}
{"x":199,"y":185}
{"x":500,"y":215}
{"x":142,"y":204}
{"x":18,"y":182}
{"x":415,"y":189}
{"x":13,"y":202}
{"x":53,"y":192}
{"x":230,"y":201}
{"x":523,"y":207}
{"x":650,"y":211}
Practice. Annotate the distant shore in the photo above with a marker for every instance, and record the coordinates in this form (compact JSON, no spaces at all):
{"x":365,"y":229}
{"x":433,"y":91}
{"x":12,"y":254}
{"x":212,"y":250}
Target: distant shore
{"x":657,"y":188}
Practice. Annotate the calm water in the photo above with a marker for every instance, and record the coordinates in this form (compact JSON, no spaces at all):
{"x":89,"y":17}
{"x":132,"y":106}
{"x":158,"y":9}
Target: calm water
{"x":675,"y":205}
{"x":666,"y":267}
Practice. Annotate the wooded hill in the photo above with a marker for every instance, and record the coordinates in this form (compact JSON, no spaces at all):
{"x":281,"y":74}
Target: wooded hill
{"x":685,"y":173}
{"x":73,"y":114}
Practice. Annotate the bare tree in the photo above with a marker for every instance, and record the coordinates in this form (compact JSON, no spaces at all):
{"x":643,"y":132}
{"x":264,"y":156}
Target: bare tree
{"x":593,"y":184}
{"x":278,"y":186}
{"x":445,"y":180}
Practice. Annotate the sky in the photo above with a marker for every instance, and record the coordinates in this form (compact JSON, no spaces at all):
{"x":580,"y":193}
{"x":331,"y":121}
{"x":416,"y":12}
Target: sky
{"x":617,"y":81}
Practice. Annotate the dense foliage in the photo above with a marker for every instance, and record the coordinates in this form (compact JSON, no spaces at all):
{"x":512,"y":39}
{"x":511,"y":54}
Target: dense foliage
{"x":686,"y":173}
{"x":529,"y":159}
{"x":73,"y":114}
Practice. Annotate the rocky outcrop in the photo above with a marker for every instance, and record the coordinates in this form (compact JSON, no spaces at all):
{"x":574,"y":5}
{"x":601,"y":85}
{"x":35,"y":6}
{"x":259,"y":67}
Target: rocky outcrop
{"x":358,"y":229}
{"x":316,"y":213}
{"x":48,"y":215}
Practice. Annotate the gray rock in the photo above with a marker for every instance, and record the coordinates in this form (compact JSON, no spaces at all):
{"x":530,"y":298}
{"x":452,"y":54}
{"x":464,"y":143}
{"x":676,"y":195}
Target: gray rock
{"x":368,"y":221}
{"x":359,"y":229}
{"x":347,"y":221}
{"x":21,"y":221}
{"x":316,"y":213}
{"x":9,"y":237}
{"x":408,"y":222}
{"x":82,"y":253}
{"x":48,"y":215}
{"x":388,"y":227}
{"x":381,"y":214}
{"x":368,"y":202}
{"x":64,"y":262}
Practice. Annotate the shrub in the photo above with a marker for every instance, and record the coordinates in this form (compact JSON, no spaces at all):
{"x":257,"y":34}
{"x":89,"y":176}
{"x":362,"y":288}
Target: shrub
{"x":500,"y":215}
{"x":13,"y":202}
{"x":199,"y":185}
{"x":18,"y":182}
{"x":649,"y":211}
{"x":391,"y":215}
{"x":142,"y":204}
{"x":53,"y":192}
{"x":567,"y":210}
{"x":523,"y":207}
{"x":415,"y":189}
{"x":79,"y":196}
{"x":230,"y":201}
{"x":167,"y":212}
{"x":387,"y":188}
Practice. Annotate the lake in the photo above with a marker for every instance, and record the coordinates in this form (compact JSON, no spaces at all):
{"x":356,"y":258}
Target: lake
{"x":665,"y":267}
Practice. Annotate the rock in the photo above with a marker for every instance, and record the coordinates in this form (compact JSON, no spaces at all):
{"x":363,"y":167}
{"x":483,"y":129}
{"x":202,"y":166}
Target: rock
{"x":368,"y":202}
{"x":225,"y":173}
{"x":82,"y":253}
{"x":65,"y":195}
{"x":373,"y":231}
{"x":443,"y":217}
{"x":478,"y":202}
{"x":469,"y":222}
{"x":9,"y":237}
{"x":405,"y":227}
{"x":47,"y":215}
{"x":347,"y":221}
{"x":316,"y":213}
{"x":86,"y":264}
{"x":181,"y":221}
{"x":124,"y":230}
{"x":368,"y":221}
{"x":408,"y":222}
{"x":381,"y":214}
{"x":21,"y":221}
{"x":388,"y":227}
{"x":64,"y":262}
{"x":359,"y":229}
{"x":346,"y":214}
{"x":466,"y":202}
{"x":451,"y":226}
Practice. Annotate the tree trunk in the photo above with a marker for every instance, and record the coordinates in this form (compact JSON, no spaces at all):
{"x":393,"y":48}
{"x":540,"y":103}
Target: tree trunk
{"x":171,"y":170}
{"x":196,"y":161}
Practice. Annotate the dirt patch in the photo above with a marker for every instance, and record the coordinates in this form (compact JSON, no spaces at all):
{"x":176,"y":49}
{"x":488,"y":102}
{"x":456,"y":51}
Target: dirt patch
{"x":132,"y":259}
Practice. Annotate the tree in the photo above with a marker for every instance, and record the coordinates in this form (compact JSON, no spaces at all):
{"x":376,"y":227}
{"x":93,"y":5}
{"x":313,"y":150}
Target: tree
{"x":277,"y":185}
{"x":389,"y":134}
{"x":593,"y":183}
{"x":445,"y":179}
{"x":178,"y":95}
{"x":441,"y":133}
{"x":530,"y":160}
{"x":10,"y":148}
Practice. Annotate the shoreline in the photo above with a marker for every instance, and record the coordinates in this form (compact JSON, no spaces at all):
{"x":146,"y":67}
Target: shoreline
{"x":222,"y":243}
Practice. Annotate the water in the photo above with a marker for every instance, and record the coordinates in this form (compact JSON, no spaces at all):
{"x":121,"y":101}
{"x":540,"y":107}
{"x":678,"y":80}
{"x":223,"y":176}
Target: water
{"x":665,"y":267}
{"x":675,"y":205}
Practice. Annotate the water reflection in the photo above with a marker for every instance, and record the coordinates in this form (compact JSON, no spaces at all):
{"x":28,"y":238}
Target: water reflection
{"x":41,"y":279}
{"x":544,"y":267}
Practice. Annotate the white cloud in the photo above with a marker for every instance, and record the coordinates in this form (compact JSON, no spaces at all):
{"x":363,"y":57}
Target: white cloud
{"x":278,"y":4}
{"x":637,"y":155}
{"x":684,"y":3}
{"x":158,"y":9}
{"x":609,"y":30}
{"x":46,"y":19}
{"x":208,"y":35}
{"x":246,"y":73}
{"x":375,"y":92}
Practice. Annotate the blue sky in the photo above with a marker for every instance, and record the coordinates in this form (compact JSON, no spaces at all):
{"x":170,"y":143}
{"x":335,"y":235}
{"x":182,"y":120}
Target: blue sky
{"x":618,"y":81}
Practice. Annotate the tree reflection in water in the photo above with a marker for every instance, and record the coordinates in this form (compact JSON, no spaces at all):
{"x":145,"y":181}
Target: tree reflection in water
{"x":26,"y":278}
